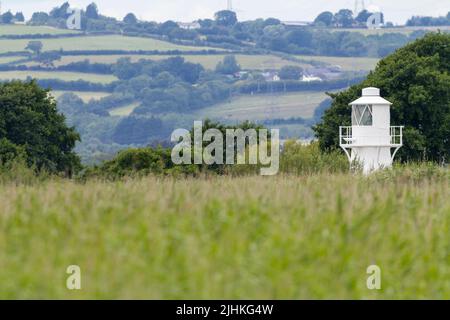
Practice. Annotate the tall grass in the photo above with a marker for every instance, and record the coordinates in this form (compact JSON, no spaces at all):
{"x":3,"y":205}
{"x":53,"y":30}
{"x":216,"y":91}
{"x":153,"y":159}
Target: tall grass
{"x":284,"y":237}
{"x":19,"y":173}
{"x":309,"y":159}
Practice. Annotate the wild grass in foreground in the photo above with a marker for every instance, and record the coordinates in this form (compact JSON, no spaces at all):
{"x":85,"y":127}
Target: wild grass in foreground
{"x":285,"y":237}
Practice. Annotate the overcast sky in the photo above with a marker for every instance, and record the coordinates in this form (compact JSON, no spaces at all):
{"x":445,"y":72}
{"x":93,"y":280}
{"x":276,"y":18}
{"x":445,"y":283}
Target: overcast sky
{"x":397,"y":11}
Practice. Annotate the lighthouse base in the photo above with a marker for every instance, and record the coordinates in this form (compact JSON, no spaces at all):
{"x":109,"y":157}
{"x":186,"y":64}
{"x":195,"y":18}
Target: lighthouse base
{"x":371,"y":158}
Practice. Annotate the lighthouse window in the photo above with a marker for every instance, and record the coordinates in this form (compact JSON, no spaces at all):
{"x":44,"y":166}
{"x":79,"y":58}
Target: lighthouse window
{"x":362,"y":115}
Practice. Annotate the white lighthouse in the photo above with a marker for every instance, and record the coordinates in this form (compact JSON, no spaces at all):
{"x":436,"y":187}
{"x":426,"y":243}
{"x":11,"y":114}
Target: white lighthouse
{"x":371,"y":140}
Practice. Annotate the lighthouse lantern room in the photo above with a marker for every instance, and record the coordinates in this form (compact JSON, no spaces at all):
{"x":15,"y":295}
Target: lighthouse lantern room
{"x":371,"y":140}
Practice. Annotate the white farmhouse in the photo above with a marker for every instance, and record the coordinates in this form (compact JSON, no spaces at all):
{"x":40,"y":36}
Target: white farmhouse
{"x":371,"y":140}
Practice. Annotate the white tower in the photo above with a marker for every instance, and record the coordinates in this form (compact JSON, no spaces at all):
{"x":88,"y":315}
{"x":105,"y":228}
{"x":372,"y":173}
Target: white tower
{"x":371,"y":140}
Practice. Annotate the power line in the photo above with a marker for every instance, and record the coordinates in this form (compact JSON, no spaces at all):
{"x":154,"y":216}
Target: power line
{"x":230,"y":5}
{"x":359,"y":6}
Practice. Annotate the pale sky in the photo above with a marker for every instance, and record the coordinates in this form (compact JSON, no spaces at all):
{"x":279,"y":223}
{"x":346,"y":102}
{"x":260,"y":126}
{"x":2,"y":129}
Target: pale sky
{"x":397,"y":11}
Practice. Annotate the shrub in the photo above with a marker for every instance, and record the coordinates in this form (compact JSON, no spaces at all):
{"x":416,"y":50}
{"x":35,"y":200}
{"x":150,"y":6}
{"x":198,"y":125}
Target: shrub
{"x":139,"y":162}
{"x":297,"y":158}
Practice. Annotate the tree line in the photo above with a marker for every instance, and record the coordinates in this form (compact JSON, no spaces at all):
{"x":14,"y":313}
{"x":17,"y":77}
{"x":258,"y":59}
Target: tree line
{"x":226,"y":31}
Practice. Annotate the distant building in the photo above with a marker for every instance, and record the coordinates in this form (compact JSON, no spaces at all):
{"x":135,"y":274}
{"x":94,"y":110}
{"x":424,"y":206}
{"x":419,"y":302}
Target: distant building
{"x":296,"y":23}
{"x":308,"y":78}
{"x":271,"y":76}
{"x":189,"y":25}
{"x":241,"y":75}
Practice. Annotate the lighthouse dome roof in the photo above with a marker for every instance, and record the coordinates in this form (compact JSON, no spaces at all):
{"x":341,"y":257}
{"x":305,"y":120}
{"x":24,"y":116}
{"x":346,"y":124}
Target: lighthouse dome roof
{"x":371,"y":96}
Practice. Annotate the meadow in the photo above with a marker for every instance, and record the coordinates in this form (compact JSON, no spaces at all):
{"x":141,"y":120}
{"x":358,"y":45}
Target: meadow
{"x":92,"y":43}
{"x":248,"y":62}
{"x":16,"y":29}
{"x":124,"y":110}
{"x":86,"y":96}
{"x":345,"y":63}
{"x":264,"y":106}
{"x":62,"y":75}
{"x":287,"y":237}
{"x":403,"y":30}
{"x":4,"y":60}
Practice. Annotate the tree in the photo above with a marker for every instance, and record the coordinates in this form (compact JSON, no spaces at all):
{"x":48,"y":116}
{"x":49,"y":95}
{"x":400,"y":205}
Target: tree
{"x":167,"y":27}
{"x":344,"y":18}
{"x":325,"y":18}
{"x":130,"y":18}
{"x":60,"y":12}
{"x":19,"y":17}
{"x":92,"y":11}
{"x":31,"y":125}
{"x":291,"y":73}
{"x":228,"y":66}
{"x":39,"y":18}
{"x":35,"y":47}
{"x":271,"y":22}
{"x":300,"y":37}
{"x":362,"y":17}
{"x":415,"y":79}
{"x":7,"y":17}
{"x":226,"y":18}
{"x":48,"y":58}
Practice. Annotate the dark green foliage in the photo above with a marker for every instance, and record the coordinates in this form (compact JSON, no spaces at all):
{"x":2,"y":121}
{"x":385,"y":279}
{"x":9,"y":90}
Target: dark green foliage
{"x":291,"y":73}
{"x":344,"y":18}
{"x":47,"y":59}
{"x":30,"y":126}
{"x":228,"y":66}
{"x":92,"y":11}
{"x":130,"y":18}
{"x":226,"y":18}
{"x":7,"y":18}
{"x":324,"y":19}
{"x":139,"y":130}
{"x":429,"y":21}
{"x":140,"y":162}
{"x":416,"y":80}
{"x":19,"y":17}
{"x":35,"y":47}
{"x":9,"y":152}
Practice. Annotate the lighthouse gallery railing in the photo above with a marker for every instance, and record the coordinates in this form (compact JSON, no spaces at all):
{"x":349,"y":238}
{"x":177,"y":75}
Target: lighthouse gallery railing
{"x":346,"y":138}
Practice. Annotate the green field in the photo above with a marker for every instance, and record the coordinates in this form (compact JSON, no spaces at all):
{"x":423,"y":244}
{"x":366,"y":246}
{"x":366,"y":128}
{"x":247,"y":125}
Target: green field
{"x":6,"y":29}
{"x":125,"y":110}
{"x":345,"y":63}
{"x":251,"y":62}
{"x":110,"y":42}
{"x":404,"y":30}
{"x":9,"y":59}
{"x":285,"y":237}
{"x":65,"y":76}
{"x":86,"y":96}
{"x":263,"y":107}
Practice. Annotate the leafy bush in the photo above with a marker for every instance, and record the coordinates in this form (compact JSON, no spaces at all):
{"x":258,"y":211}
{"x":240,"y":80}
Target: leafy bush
{"x":139,"y":162}
{"x":297,"y":158}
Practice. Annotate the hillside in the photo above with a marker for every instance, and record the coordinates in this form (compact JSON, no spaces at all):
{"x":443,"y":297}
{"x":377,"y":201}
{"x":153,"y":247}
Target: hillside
{"x":130,"y":87}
